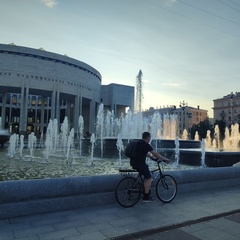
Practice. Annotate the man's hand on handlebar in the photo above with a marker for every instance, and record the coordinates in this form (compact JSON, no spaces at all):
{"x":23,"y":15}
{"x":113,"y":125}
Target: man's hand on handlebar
{"x":166,"y":160}
{"x":159,"y":157}
{"x":155,"y":159}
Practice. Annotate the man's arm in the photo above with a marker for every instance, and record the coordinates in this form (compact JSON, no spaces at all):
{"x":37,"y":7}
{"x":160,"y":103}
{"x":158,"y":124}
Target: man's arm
{"x":157,"y":155}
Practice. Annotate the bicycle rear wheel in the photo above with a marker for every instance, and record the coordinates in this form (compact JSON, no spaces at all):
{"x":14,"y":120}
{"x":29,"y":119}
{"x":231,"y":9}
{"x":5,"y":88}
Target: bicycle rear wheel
{"x":166,"y":188}
{"x":128,"y":192}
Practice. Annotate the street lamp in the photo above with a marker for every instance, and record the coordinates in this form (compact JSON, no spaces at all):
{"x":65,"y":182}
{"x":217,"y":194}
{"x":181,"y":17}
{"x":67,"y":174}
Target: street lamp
{"x":184,"y":105}
{"x":189,"y":114}
{"x":231,"y":104}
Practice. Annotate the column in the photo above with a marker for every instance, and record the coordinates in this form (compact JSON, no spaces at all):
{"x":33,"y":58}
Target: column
{"x":80,"y":101}
{"x":92,"y":116}
{"x":76,"y":111}
{"x":35,"y":108}
{"x":26,"y":107}
{"x":10,"y":109}
{"x":42,"y":114}
{"x":80,"y":106}
{"x":57,"y":107}
{"x":68,"y":110}
{"x":23,"y":110}
{"x":53,"y":102}
{"x":3,"y":111}
{"x":114,"y":109}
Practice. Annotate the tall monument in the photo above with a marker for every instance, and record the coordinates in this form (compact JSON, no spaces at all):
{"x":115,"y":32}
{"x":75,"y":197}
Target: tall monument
{"x":138,"y":93}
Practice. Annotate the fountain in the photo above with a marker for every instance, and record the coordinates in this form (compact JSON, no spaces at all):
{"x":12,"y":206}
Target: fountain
{"x":70,"y":143}
{"x":63,"y":151}
{"x":80,"y":128}
{"x":112,"y":134}
{"x":100,"y":121}
{"x":207,"y":152}
{"x":177,"y":151}
{"x":120,"y":148}
{"x":32,"y":140}
{"x":12,"y":145}
{"x":196,"y":137}
{"x":92,"y":140}
{"x":21,"y":146}
{"x":225,"y":153}
{"x":203,"y":151}
{"x":208,"y":140}
{"x":63,"y":135}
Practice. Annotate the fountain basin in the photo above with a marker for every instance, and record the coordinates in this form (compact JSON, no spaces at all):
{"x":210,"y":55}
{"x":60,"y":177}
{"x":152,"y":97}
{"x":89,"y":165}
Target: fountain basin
{"x":110,"y":146}
{"x":212,"y":158}
{"x":189,"y":144}
{"x":189,"y":152}
{"x":221,"y":159}
{"x":193,"y":157}
{"x":27,"y":197}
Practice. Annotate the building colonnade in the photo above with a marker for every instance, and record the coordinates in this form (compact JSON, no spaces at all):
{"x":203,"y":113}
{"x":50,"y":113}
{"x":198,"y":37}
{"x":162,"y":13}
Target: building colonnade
{"x":22,"y":112}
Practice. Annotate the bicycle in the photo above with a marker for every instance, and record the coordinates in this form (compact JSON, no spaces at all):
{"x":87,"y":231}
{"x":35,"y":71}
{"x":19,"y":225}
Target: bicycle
{"x":130,"y":188}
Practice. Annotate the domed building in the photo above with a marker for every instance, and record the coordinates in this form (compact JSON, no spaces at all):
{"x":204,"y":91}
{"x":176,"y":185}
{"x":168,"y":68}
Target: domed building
{"x":36,"y":86}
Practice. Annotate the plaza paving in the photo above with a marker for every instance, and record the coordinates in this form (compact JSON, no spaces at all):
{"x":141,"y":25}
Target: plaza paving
{"x":195,"y":215}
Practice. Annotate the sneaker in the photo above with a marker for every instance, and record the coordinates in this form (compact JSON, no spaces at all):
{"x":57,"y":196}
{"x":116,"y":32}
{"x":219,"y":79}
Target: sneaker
{"x":148,"y":199}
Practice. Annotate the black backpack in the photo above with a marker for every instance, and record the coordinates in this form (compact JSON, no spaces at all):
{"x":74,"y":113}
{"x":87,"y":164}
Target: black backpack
{"x":131,"y":149}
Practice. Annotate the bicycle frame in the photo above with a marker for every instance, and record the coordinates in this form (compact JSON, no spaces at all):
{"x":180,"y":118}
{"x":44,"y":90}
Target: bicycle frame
{"x":128,"y":173}
{"x":159,"y":170}
{"x":130,"y":188}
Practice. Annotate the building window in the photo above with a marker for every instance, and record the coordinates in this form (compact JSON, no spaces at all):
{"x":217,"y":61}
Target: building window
{"x":8,"y":99}
{"x":33,"y":100}
{"x":14,"y":99}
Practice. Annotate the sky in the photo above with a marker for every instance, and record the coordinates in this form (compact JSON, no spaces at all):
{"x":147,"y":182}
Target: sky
{"x":187,"y":50}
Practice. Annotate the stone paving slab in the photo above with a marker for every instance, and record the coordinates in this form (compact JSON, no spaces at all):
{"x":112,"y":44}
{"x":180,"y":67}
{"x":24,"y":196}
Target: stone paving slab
{"x":216,"y":229}
{"x":174,"y":234}
{"x":111,"y":221}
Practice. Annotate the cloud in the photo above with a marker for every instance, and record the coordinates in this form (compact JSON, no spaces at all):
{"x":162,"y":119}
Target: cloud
{"x":172,"y":84}
{"x":49,"y":3}
{"x":170,"y":2}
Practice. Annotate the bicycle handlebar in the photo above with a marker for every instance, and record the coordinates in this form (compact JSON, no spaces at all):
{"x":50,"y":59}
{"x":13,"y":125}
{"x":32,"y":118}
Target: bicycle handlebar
{"x":158,"y":160}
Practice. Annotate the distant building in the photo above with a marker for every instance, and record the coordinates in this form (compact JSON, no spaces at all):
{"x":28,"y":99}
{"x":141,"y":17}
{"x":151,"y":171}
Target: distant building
{"x":36,"y":86}
{"x":117,"y":98}
{"x":227,"y":109}
{"x":187,"y":116}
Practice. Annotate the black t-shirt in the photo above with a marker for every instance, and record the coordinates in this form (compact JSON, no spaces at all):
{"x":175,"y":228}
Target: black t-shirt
{"x":142,"y":150}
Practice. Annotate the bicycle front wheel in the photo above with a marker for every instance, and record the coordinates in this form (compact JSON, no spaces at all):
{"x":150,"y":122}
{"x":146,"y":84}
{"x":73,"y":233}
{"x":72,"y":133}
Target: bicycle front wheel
{"x":128,"y":192}
{"x":166,"y":188}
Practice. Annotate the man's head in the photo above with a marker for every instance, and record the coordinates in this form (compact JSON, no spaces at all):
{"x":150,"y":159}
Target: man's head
{"x":146,"y":136}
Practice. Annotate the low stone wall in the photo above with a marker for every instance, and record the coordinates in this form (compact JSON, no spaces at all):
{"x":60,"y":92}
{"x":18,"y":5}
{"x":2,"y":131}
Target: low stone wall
{"x":26,"y":197}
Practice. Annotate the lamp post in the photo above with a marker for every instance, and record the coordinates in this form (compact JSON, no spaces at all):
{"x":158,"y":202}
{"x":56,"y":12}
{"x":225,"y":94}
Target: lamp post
{"x":184,"y":105}
{"x":231,"y":105}
{"x":189,"y":114}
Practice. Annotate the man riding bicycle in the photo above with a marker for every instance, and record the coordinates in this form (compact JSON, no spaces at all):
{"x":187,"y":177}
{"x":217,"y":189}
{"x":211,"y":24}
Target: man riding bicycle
{"x":138,"y":162}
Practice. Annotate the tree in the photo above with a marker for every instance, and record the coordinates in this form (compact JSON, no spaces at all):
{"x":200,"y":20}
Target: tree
{"x":202,"y":128}
{"x":222,"y":126}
